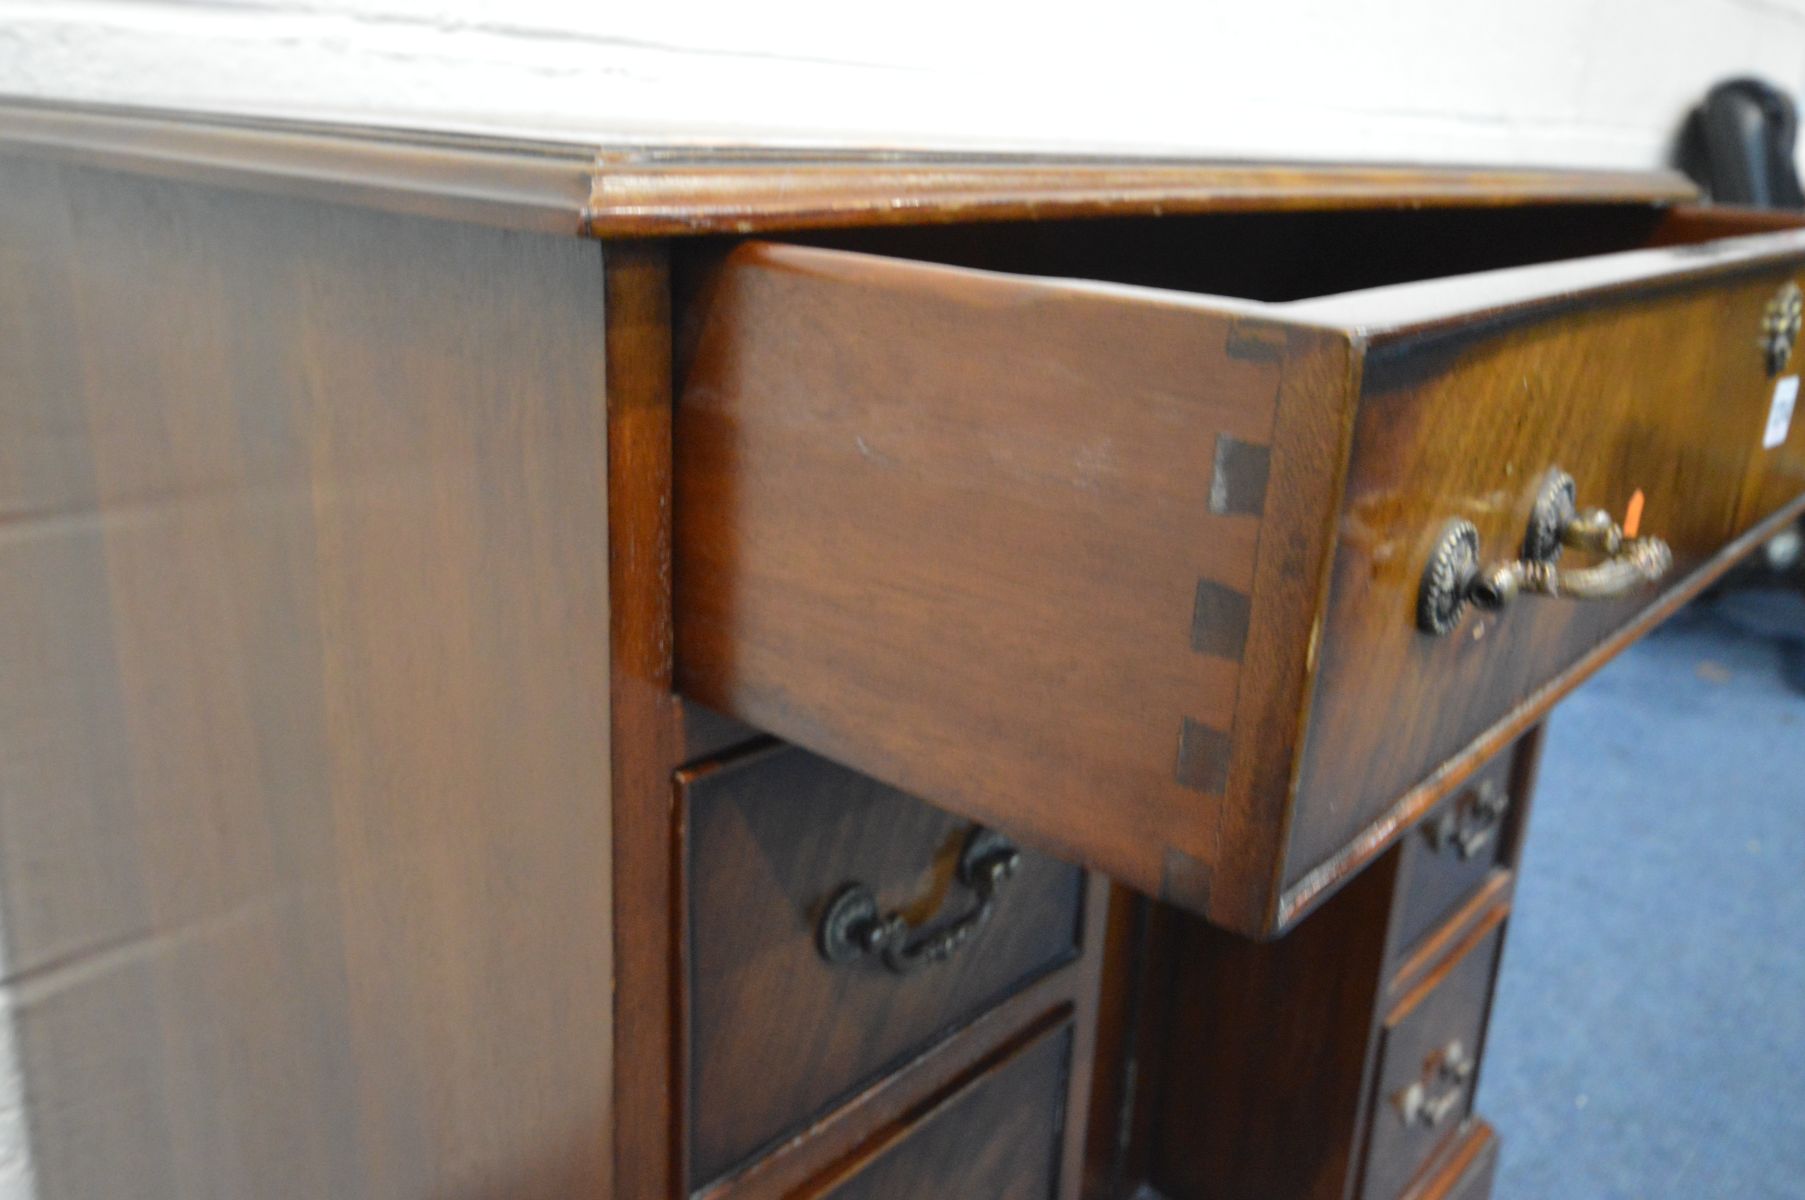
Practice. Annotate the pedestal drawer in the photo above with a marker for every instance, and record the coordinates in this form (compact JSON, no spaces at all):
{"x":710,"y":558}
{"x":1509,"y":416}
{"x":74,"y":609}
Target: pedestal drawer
{"x":1428,"y":1065}
{"x":1177,"y":585}
{"x":792,"y":860}
{"x":1466,"y":1172}
{"x":996,"y":1137}
{"x":1467,"y":838}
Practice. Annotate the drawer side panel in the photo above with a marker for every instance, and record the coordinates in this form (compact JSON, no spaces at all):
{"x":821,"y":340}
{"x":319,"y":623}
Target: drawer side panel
{"x":1000,"y":541}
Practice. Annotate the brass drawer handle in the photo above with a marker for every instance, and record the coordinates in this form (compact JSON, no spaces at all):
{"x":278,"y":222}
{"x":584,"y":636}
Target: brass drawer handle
{"x":852,"y":928}
{"x":1640,"y":561}
{"x":1433,"y":1098}
{"x":1780,"y":326}
{"x":1469,"y":827}
{"x":1454,"y":579}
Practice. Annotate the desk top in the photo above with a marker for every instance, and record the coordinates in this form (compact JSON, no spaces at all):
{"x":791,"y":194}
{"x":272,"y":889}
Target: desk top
{"x":603,"y":191}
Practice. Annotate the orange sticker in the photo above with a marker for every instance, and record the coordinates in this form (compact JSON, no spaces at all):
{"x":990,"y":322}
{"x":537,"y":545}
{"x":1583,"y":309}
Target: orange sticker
{"x":1632,"y":519}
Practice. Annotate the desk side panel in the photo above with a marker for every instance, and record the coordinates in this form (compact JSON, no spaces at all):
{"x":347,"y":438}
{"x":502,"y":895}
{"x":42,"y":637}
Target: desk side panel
{"x":304,"y":795}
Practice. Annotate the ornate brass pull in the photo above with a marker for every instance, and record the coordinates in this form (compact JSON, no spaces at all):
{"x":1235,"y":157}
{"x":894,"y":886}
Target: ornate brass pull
{"x":853,"y":929}
{"x":1470,"y":824}
{"x":1432,"y":1099}
{"x":1780,"y":326}
{"x":1454,"y":579}
{"x":1640,"y":561}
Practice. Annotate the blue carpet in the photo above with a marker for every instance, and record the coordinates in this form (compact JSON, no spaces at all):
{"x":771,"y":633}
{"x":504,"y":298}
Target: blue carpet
{"x":1649,"y":1037}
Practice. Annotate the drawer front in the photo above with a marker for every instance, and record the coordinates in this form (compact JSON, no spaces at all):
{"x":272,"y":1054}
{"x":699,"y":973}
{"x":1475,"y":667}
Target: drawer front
{"x":1449,"y":856}
{"x":1653,"y":400}
{"x":996,"y":1138}
{"x":1428,"y":1066}
{"x":1474,"y":1183}
{"x":779,"y":1034}
{"x":1467,"y":1171}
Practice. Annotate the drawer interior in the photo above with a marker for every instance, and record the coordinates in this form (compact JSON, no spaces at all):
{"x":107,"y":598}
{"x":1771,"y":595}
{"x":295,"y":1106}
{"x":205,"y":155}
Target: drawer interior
{"x":1285,"y":256}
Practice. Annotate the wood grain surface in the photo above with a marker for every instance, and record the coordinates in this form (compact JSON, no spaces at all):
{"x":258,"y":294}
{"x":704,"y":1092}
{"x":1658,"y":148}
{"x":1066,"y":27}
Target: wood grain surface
{"x":645,"y":725}
{"x":1453,"y":1005}
{"x":1436,"y":875}
{"x":939,"y":523}
{"x":996,"y":1136}
{"x":1255,"y":1055}
{"x":881,"y":1113}
{"x":1250,"y":1066}
{"x":612,"y":191}
{"x":685,"y":192}
{"x":1662,"y":393}
{"x":778,"y":1033}
{"x":1466,"y":1172}
{"x":305,"y":821}
{"x":992,"y":539}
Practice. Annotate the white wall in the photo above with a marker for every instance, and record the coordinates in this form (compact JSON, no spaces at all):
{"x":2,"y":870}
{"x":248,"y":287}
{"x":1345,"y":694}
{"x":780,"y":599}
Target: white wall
{"x":1575,"y":82}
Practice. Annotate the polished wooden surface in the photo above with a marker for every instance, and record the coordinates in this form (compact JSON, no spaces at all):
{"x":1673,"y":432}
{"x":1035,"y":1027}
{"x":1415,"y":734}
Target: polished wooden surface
{"x":1113,"y":1135}
{"x":1249,"y":1069}
{"x":1467,"y":1173}
{"x":1034,"y":481}
{"x":1031,"y":588}
{"x":644,"y":719}
{"x":996,"y":1136}
{"x":642,"y":191}
{"x":682,"y":192}
{"x":342,"y":850}
{"x":1664,"y":394}
{"x":878,"y":1115}
{"x":776,"y":1032}
{"x":1448,"y":1008}
{"x":1253,"y":1056}
{"x":305,"y":830}
{"x":1436,"y":874}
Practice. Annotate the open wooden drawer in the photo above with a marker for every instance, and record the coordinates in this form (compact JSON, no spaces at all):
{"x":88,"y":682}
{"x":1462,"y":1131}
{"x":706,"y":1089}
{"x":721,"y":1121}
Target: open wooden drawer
{"x":1136,"y":572}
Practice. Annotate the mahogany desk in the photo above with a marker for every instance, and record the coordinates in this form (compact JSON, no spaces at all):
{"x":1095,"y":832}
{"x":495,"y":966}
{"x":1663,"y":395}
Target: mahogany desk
{"x":544,"y":670}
